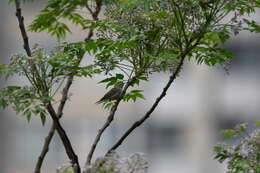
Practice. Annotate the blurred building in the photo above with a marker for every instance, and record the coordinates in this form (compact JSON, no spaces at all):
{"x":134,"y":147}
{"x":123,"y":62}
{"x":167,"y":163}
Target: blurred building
{"x":179,"y":136}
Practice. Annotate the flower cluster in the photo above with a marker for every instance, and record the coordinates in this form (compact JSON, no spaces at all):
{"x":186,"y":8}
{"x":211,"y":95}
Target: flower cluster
{"x":243,"y":156}
{"x":113,"y":163}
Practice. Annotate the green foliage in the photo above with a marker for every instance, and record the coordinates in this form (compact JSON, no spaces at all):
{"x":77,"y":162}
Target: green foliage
{"x":160,"y":30}
{"x":149,"y":28}
{"x":45,"y":73}
{"x":101,"y":168}
{"x":24,"y":101}
{"x":65,"y":169}
{"x":243,"y":156}
{"x":149,"y":35}
{"x":135,"y":39}
{"x":42,"y":70}
{"x":50,"y":17}
{"x":242,"y":6}
{"x":111,"y":81}
{"x":252,"y":26}
{"x":233,"y":133}
{"x":209,"y":52}
{"x":133,"y":95}
{"x":142,"y":37}
{"x":257,"y":123}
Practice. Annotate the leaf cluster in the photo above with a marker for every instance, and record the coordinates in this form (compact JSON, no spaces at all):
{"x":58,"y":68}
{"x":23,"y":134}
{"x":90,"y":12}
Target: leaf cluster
{"x":137,"y":38}
{"x":51,"y":18}
{"x":142,"y":37}
{"x":243,"y":156}
{"x":24,"y":101}
{"x":45,"y":73}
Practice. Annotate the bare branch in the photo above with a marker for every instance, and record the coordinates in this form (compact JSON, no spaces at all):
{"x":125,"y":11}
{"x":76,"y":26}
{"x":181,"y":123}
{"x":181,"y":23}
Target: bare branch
{"x":97,"y":10}
{"x":64,"y":138}
{"x":88,"y":8}
{"x":45,"y":150}
{"x":20,"y":18}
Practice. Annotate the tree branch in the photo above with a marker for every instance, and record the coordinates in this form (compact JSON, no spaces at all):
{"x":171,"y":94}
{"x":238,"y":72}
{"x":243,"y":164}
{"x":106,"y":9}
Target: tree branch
{"x":20,"y":18}
{"x":97,"y":9}
{"x":45,"y":149}
{"x":157,"y":101}
{"x":49,"y":137}
{"x":64,"y":138}
{"x":50,"y":109}
{"x":63,"y":101}
{"x":110,"y":118}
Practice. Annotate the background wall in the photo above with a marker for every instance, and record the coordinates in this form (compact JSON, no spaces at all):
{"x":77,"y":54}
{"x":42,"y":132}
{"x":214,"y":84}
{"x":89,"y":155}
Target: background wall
{"x":182,"y":131}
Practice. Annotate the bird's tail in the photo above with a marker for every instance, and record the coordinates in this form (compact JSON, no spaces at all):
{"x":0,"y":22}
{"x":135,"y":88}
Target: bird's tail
{"x":100,"y":101}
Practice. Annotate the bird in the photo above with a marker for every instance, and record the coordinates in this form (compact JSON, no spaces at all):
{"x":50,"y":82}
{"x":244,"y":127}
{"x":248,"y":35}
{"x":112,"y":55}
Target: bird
{"x":112,"y":94}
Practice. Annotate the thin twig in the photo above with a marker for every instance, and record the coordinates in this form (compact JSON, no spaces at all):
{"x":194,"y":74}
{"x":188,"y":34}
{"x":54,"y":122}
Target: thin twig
{"x":157,"y":101}
{"x":110,"y":118}
{"x":97,"y":9}
{"x":89,"y":9}
{"x":122,"y":69}
{"x":25,"y":38}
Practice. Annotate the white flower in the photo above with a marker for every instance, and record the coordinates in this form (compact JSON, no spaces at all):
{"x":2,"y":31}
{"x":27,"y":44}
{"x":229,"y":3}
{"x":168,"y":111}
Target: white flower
{"x":113,"y":163}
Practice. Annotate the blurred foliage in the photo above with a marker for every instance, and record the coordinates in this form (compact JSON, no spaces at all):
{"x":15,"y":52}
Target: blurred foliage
{"x":65,"y":169}
{"x":113,"y":163}
{"x":24,"y":101}
{"x":244,"y":156}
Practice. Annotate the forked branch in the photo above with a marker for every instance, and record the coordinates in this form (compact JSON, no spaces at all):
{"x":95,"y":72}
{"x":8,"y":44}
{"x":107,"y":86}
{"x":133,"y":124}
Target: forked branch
{"x":65,"y":91}
{"x":64,"y":138}
{"x":110,"y":118}
{"x":63,"y":101}
{"x":157,"y":101}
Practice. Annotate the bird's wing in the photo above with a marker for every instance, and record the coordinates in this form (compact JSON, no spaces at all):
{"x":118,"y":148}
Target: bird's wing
{"x":108,"y":95}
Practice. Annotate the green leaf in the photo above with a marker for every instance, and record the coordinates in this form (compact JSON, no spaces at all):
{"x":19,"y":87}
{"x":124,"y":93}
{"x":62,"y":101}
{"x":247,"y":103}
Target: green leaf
{"x":108,"y":105}
{"x":50,"y":17}
{"x":119,"y":76}
{"x":241,"y":128}
{"x":111,"y":81}
{"x":144,"y":78}
{"x":133,"y":95}
{"x":218,"y":148}
{"x":108,"y":80}
{"x":28,"y":115}
{"x":43,"y":118}
{"x":229,"y":133}
{"x":257,"y":123}
{"x":3,"y":102}
{"x":252,"y":26}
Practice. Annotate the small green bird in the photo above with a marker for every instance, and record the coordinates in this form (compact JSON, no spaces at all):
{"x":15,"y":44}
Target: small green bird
{"x":112,"y":94}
